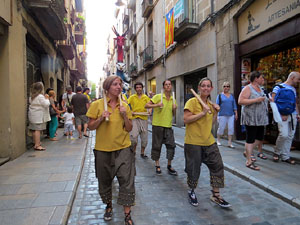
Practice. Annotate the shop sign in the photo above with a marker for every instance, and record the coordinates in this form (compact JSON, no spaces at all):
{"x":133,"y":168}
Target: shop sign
{"x":264,"y":14}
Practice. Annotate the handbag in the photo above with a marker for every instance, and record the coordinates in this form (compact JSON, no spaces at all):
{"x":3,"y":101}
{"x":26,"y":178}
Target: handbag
{"x":52,"y":111}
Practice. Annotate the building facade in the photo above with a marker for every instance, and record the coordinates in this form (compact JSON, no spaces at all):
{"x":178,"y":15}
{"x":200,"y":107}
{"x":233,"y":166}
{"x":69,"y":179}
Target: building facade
{"x":38,"y":42}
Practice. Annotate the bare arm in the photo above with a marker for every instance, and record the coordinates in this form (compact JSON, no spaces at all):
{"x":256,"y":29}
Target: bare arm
{"x":245,"y":95}
{"x":128,"y":122}
{"x":152,"y":105}
{"x":189,"y":117}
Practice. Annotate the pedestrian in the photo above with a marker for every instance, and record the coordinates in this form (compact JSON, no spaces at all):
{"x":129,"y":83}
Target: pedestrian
{"x":38,"y":113}
{"x":86,"y":92}
{"x":227,"y":114}
{"x":69,"y":121}
{"x":67,"y":97}
{"x":80,"y":104}
{"x":287,"y":127}
{"x":47,"y":126}
{"x":254,"y":115}
{"x":200,"y":145}
{"x":140,"y":122}
{"x":162,"y":133}
{"x":113,"y":155}
{"x":54,"y":111}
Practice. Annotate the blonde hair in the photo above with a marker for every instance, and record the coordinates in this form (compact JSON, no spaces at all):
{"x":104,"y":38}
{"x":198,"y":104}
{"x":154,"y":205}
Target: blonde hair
{"x":36,"y":89}
{"x":226,"y":83}
{"x":108,"y":82}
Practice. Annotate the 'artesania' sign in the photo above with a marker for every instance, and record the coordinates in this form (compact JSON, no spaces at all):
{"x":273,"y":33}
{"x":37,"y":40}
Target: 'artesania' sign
{"x":264,"y":14}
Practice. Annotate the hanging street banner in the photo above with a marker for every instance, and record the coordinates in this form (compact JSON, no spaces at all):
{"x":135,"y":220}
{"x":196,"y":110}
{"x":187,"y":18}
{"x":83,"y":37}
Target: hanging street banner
{"x":169,"y":28}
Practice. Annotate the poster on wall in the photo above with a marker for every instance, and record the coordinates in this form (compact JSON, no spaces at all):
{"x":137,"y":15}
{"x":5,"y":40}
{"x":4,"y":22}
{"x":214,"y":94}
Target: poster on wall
{"x":246,"y":69}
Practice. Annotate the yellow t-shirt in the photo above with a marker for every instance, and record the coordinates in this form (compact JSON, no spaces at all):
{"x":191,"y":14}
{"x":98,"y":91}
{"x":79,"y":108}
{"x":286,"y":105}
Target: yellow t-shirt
{"x":89,"y":98}
{"x":110,"y":135}
{"x":162,"y":117}
{"x":138,"y":105}
{"x":199,"y":132}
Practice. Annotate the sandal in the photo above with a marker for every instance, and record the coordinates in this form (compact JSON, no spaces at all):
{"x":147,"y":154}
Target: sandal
{"x":252,"y":166}
{"x":39,"y":148}
{"x":108,"y":212}
{"x":158,"y":170}
{"x":171,"y":170}
{"x":275,"y":158}
{"x":144,"y":156}
{"x":253,"y":159}
{"x":292,"y":162}
{"x":262,"y":156}
{"x":128,"y":220}
{"x":216,"y":198}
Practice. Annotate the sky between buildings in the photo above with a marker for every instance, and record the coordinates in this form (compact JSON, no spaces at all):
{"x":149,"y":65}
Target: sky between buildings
{"x":99,"y":21}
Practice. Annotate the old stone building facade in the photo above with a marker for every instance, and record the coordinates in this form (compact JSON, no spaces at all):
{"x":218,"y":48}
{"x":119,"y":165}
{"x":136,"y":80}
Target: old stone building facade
{"x":221,"y":39}
{"x":39,"y":41}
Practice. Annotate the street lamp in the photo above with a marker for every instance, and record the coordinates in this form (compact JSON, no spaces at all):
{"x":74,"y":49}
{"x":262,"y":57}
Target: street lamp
{"x":119,"y":3}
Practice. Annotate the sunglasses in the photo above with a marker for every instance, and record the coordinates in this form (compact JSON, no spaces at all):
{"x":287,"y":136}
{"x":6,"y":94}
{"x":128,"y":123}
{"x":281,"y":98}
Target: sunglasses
{"x":227,"y":86}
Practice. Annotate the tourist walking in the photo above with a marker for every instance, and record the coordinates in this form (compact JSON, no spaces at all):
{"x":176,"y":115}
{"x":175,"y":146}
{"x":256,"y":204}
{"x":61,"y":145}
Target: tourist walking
{"x":80,"y":104}
{"x":54,"y":112}
{"x":137,"y":103}
{"x":67,"y":97}
{"x":254,"y":115}
{"x":285,"y":97}
{"x":164,"y":107}
{"x":200,"y":146}
{"x":227,"y":114}
{"x":38,"y":113}
{"x":111,"y":117}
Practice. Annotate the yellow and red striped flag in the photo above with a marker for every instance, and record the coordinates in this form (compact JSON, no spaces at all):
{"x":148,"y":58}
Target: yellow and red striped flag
{"x":169,"y":28}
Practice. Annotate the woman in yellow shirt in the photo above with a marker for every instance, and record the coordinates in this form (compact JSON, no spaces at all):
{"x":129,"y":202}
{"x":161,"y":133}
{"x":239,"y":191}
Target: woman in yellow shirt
{"x":113,"y":155}
{"x":200,"y":145}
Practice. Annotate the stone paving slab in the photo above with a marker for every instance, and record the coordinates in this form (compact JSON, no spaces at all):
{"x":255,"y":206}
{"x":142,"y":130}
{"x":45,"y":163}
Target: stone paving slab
{"x":162,"y":200}
{"x":279,"y":179}
{"x":39,"y":187}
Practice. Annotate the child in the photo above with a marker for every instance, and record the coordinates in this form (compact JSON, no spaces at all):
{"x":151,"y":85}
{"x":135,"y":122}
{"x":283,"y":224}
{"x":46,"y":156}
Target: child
{"x":69,"y":121}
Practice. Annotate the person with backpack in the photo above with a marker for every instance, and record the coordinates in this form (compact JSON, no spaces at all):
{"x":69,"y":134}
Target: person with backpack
{"x":227,"y":114}
{"x":254,"y":115}
{"x":284,"y":95}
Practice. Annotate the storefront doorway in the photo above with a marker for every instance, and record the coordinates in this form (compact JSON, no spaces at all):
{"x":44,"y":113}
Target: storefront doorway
{"x":191,"y":81}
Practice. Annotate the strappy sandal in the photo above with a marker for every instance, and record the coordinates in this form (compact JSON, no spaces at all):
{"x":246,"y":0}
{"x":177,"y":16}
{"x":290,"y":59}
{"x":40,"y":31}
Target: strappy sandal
{"x":262,"y":156}
{"x":275,"y":158}
{"x":253,"y":159}
{"x":216,"y":198}
{"x":108,"y":212}
{"x":157,"y":170}
{"x":128,"y":220}
{"x":252,"y":166}
{"x":39,"y":148}
{"x":289,"y":161}
{"x":144,"y":156}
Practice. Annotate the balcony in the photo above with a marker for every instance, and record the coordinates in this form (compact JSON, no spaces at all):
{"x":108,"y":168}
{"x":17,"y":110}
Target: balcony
{"x":185,"y":25}
{"x":147,"y":7}
{"x":132,"y":31}
{"x":66,"y":50}
{"x":148,"y":57}
{"x":50,"y":14}
{"x":6,"y":12}
{"x":79,"y":31}
{"x":133,"y":70}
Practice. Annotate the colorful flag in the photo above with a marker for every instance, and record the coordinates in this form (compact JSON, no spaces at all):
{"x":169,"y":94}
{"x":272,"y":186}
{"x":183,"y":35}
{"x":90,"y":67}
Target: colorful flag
{"x":169,"y":28}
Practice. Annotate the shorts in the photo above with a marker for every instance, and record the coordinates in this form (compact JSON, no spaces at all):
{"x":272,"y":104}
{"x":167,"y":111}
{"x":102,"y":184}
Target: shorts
{"x":68,"y":127}
{"x":254,"y":133}
{"x":82,"y":119}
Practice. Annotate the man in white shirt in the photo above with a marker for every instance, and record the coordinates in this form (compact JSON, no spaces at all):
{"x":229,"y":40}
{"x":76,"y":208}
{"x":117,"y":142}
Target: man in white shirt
{"x":67,"y":97}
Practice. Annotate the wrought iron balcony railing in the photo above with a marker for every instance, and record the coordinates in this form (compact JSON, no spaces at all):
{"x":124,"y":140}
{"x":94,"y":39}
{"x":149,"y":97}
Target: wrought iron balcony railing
{"x":148,"y":56}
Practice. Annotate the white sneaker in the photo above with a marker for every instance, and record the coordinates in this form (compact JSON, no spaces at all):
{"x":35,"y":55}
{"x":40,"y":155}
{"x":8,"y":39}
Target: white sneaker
{"x":231,"y":146}
{"x":218,"y":143}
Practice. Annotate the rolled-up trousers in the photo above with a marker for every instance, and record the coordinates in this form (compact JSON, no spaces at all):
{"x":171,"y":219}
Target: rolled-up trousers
{"x":121,"y":164}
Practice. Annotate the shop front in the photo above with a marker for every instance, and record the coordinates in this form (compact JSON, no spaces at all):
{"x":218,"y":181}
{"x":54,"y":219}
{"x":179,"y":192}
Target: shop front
{"x":268,"y":42}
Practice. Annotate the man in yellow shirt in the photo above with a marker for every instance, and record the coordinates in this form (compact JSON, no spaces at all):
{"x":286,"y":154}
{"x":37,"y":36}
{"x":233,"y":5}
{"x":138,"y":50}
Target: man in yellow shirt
{"x":162,"y":132}
{"x":140,"y":122}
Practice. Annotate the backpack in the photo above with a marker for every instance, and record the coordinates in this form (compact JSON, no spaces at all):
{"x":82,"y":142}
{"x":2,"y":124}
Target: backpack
{"x":285,"y":100}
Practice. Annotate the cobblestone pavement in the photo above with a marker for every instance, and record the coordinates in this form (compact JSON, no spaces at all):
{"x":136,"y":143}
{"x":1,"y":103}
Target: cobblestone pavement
{"x":163,"y":199}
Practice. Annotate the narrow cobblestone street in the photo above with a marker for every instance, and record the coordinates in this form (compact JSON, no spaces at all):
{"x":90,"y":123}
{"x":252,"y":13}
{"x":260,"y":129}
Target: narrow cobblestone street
{"x":163,"y":199}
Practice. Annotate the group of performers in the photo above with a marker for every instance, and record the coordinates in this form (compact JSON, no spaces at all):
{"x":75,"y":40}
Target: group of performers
{"x":118,"y":127}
